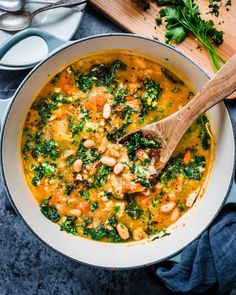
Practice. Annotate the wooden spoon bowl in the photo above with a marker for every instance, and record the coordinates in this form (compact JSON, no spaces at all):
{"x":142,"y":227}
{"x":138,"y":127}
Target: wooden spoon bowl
{"x":170,"y":130}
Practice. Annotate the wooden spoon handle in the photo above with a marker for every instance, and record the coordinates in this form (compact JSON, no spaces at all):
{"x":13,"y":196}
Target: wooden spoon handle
{"x":219,"y":87}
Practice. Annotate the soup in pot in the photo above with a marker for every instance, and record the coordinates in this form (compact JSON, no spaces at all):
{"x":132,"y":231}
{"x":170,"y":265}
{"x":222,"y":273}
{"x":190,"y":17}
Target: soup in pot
{"x":85,"y":181}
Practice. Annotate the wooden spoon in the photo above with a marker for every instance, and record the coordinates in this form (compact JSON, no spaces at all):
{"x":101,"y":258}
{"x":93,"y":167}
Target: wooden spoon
{"x":170,"y":130}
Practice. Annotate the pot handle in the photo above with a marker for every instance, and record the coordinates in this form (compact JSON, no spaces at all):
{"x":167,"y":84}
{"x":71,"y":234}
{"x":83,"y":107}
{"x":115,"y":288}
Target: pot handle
{"x":51,"y":41}
{"x":4,"y":106}
{"x":231,"y":198}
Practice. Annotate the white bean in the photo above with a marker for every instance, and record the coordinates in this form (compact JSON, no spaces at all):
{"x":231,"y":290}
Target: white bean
{"x":159,"y":185}
{"x":77,"y":165}
{"x":76,"y":212}
{"x":167,"y":207}
{"x":147,"y":193}
{"x":118,"y":168}
{"x":108,"y":161}
{"x":89,"y":143}
{"x":174,"y":215}
{"x":141,"y":155}
{"x":171,"y":195}
{"x":122,"y":231}
{"x":106,"y":111}
{"x":138,"y":234}
{"x":68,"y":153}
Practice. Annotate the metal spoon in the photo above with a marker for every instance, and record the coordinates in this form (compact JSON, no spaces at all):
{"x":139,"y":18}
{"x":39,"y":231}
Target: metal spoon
{"x":170,"y":130}
{"x":22,"y":19}
{"x":15,"y":5}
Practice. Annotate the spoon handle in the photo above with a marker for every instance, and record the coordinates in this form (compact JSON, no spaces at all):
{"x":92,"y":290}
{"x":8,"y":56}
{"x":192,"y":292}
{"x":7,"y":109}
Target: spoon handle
{"x":218,"y":88}
{"x":61,"y":3}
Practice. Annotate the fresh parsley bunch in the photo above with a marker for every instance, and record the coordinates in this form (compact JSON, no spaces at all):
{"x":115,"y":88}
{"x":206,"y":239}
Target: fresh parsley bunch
{"x":183,"y":17}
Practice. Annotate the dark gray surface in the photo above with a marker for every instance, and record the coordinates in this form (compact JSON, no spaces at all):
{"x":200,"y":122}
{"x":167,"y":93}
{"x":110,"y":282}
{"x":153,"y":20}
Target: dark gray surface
{"x":30,"y":267}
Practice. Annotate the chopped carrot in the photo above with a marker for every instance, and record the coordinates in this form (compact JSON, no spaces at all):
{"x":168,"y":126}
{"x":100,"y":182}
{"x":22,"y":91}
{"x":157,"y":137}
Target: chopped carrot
{"x":54,"y":199}
{"x":84,"y":206}
{"x":129,"y":97}
{"x":70,"y":89}
{"x":187,"y":157}
{"x":90,"y":106}
{"x":63,"y":80}
{"x":95,"y":103}
{"x":145,"y":199}
{"x":101,"y":100}
{"x":41,"y":189}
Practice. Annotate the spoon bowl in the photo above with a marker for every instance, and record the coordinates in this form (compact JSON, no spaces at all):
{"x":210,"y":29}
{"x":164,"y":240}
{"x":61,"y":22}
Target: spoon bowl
{"x":15,"y":21}
{"x":21,"y":19}
{"x":16,"y":5}
{"x":12,"y":5}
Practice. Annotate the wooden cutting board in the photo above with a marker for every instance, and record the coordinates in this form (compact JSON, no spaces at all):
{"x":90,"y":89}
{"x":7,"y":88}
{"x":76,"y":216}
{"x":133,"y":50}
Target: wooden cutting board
{"x":132,"y":19}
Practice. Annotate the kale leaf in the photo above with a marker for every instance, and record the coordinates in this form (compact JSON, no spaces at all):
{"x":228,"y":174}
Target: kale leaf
{"x":48,"y":210}
{"x":94,"y":206}
{"x":45,"y":106}
{"x":203,"y":133}
{"x":137,"y":142}
{"x":176,"y":166}
{"x":151,"y":95}
{"x":44,"y":169}
{"x":104,"y":230}
{"x":101,"y":175}
{"x":69,"y":225}
{"x":84,"y":83}
{"x":35,"y":145}
{"x":133,"y":210}
{"x":124,"y":114}
{"x":78,"y":127}
{"x":87,"y":155}
{"x":69,"y":189}
{"x":99,"y":75}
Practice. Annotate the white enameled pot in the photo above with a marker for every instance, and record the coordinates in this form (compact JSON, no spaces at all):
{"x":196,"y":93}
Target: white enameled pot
{"x":121,"y":255}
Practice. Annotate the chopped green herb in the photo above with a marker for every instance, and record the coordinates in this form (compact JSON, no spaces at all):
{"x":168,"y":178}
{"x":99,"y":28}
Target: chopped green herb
{"x":45,"y":169}
{"x":133,"y":210}
{"x":99,"y":75}
{"x":45,"y":107}
{"x":175,"y":167}
{"x":94,"y":206}
{"x":102,"y":232}
{"x":155,"y":202}
{"x":116,"y":209}
{"x":120,"y":95}
{"x":176,"y":90}
{"x":181,"y":207}
{"x":151,"y":95}
{"x":48,"y":210}
{"x":158,"y":20}
{"x":171,"y":77}
{"x":203,"y":133}
{"x":55,"y":79}
{"x":136,"y":142}
{"x":69,"y":225}
{"x":84,"y":83}
{"x":85,"y":195}
{"x":170,"y":104}
{"x":69,"y":188}
{"x":214,"y":6}
{"x":101,"y":175}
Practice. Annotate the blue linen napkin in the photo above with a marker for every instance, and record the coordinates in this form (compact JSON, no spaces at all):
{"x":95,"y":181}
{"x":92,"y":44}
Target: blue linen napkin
{"x":209,"y":260}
